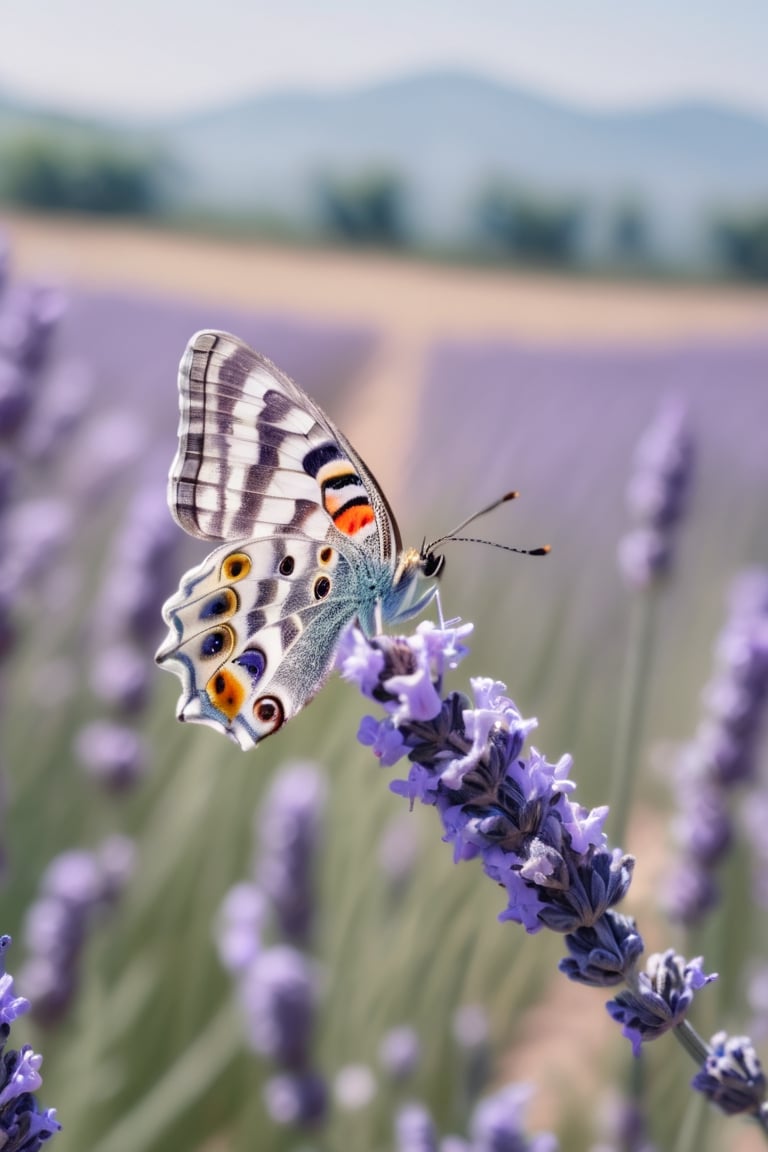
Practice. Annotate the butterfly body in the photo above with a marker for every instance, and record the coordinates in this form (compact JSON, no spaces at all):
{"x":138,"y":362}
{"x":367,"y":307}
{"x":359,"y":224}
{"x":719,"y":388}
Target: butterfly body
{"x":309,"y":544}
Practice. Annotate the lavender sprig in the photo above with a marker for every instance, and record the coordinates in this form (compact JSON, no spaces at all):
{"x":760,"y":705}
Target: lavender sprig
{"x":657,"y":496}
{"x":722,"y":755}
{"x":513,"y":811}
{"x":23,"y":1126}
{"x":278,"y":984}
{"x":75,"y":889}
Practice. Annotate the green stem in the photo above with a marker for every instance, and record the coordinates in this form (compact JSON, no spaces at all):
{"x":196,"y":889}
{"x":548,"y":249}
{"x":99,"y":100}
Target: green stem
{"x":632,"y":709}
{"x":202,"y":1063}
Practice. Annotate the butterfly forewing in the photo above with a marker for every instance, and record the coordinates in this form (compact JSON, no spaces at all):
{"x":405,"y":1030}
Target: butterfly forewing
{"x":255,"y":452}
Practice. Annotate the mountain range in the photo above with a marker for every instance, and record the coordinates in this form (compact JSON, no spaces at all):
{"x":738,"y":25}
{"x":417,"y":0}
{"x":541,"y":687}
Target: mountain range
{"x":445,"y":135}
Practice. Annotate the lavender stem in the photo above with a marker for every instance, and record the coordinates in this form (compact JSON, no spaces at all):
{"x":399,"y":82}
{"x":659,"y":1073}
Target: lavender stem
{"x":632,"y":707}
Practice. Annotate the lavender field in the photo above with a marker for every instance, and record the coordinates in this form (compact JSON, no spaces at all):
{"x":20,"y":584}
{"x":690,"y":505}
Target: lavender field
{"x":227,"y":951}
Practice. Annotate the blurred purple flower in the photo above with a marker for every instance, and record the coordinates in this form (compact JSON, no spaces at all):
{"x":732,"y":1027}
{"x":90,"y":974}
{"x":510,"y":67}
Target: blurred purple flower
{"x":497,"y":1124}
{"x":722,"y":755}
{"x":289,"y":825}
{"x":298,"y":1099}
{"x":108,"y":447}
{"x":111,"y":754}
{"x":23,"y":1127}
{"x":471,"y":1031}
{"x":34,"y":533}
{"x":29,"y":315}
{"x":625,"y":1127}
{"x":415,"y":1129}
{"x":64,"y":403}
{"x":140,"y":572}
{"x":733,"y":1078}
{"x":398,"y":850}
{"x":657,"y":496}
{"x":16,"y":397}
{"x":278,"y":986}
{"x":278,"y":994}
{"x":239,"y":926}
{"x":354,"y":1087}
{"x":120,"y":677}
{"x":75,"y":889}
{"x":400,"y":1052}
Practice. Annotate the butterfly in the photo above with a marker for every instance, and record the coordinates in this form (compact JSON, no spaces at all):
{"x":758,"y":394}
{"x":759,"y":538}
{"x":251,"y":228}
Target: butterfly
{"x":307,"y":544}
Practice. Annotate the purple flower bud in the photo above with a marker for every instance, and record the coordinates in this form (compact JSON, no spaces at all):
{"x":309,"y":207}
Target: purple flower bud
{"x":723,"y":753}
{"x":497,"y":1124}
{"x":354,"y":1087}
{"x":398,"y":850}
{"x":400,"y":1053}
{"x":660,"y":999}
{"x":16,"y":397}
{"x":644,"y":554}
{"x":28,"y":318}
{"x":109,"y":446}
{"x":36,"y":530}
{"x":120,"y":677}
{"x":289,"y":832}
{"x":415,"y":1129}
{"x":732,"y":1076}
{"x":604,"y":953}
{"x":239,"y":926}
{"x":657,"y":496}
{"x":65,"y":402}
{"x":278,"y":993}
{"x":75,"y":888}
{"x":111,"y":754}
{"x":297,"y":1099}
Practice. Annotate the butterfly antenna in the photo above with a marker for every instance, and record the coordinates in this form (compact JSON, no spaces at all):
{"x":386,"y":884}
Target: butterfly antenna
{"x":542,"y":551}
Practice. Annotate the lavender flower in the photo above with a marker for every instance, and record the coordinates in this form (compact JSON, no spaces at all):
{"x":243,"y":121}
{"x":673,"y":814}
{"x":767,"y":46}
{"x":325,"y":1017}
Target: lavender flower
{"x":278,"y":985}
{"x":111,"y":754}
{"x":513,"y":811}
{"x":733,"y":1077}
{"x":471,"y":1032}
{"x":239,"y":926}
{"x":289,"y":831}
{"x":143,"y":555}
{"x":400,"y":1053}
{"x":497,"y":1124}
{"x":657,"y":497}
{"x":660,"y":998}
{"x":296,"y":1099}
{"x":722,"y":755}
{"x":354,"y":1087}
{"x":415,"y":1130}
{"x":120,"y":677}
{"x":278,"y":994}
{"x":23,"y":1127}
{"x":77,"y":887}
{"x":624,"y":1127}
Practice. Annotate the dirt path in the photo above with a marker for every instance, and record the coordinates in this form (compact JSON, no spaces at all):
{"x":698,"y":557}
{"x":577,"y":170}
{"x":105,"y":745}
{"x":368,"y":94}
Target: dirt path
{"x":410,"y":302}
{"x":399,"y":295}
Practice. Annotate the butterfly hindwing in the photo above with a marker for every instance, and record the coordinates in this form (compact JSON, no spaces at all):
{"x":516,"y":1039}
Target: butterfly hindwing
{"x":253,"y":631}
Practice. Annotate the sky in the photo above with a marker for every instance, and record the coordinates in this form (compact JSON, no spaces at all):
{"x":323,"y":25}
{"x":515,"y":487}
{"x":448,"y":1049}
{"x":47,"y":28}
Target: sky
{"x":154,"y":57}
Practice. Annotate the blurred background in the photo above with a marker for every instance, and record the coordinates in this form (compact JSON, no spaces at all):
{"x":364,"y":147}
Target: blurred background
{"x":493,"y":245}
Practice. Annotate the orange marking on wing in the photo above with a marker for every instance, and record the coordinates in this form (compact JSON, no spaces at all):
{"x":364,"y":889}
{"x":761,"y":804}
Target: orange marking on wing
{"x":332,"y":503}
{"x":354,"y":519}
{"x":226,"y":692}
